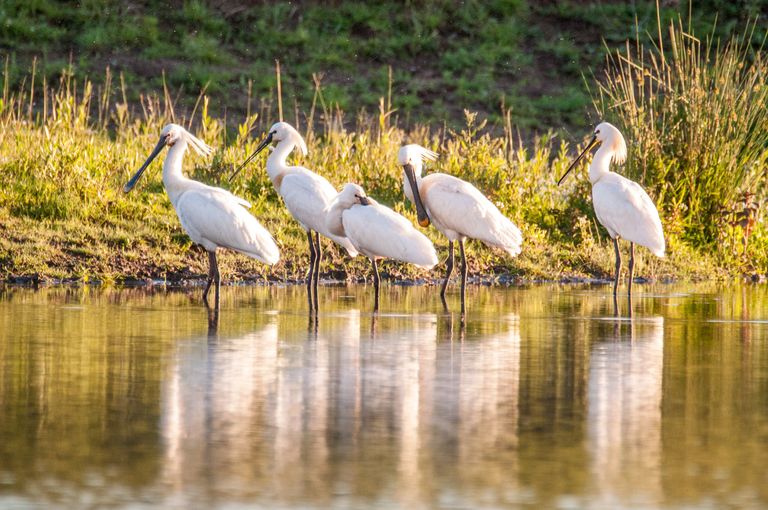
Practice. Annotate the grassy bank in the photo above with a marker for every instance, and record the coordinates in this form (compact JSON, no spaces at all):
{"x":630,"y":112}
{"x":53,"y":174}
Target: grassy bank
{"x":64,"y":214}
{"x":67,"y":148}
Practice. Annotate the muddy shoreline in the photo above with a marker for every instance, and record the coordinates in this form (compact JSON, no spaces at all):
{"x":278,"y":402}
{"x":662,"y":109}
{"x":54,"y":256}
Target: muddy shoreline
{"x":192,"y":281}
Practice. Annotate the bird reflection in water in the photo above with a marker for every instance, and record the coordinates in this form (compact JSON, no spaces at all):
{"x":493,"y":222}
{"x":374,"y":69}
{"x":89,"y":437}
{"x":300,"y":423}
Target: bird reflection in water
{"x":624,"y":414}
{"x":213,"y":320}
{"x":446,"y":326}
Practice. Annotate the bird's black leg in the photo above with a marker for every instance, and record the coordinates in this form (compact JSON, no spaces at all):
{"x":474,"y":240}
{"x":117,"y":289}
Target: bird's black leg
{"x":631,"y":266}
{"x":312,"y":256}
{"x":213,"y":276}
{"x":448,"y":271}
{"x":318,"y":258}
{"x":376,"y":282}
{"x":463,"y":274}
{"x":210,"y":280}
{"x":217,"y":279}
{"x":618,"y":270}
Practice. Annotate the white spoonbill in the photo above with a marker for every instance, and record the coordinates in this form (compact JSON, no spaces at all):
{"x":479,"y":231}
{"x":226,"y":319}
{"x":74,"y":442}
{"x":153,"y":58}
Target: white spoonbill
{"x":621,"y":205}
{"x":457,"y":209}
{"x":212,"y":217}
{"x":305,"y":193}
{"x":377,"y":232}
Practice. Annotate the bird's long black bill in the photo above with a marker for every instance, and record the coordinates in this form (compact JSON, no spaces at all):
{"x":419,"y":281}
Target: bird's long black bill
{"x":261,"y":147}
{"x":421,"y":212}
{"x":588,"y":148}
{"x":130,"y":184}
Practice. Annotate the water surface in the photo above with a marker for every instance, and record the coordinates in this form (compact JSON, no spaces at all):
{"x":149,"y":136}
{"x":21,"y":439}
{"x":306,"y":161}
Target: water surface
{"x":540,"y":397}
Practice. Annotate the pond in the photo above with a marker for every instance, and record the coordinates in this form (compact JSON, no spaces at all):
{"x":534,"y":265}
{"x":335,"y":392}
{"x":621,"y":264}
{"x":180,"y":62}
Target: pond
{"x":540,"y":396}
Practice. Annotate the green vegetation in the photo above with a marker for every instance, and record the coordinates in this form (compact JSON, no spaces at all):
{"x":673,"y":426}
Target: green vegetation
{"x":445,"y":55}
{"x":697,"y":118}
{"x":694,"y":117}
{"x":64,"y":213}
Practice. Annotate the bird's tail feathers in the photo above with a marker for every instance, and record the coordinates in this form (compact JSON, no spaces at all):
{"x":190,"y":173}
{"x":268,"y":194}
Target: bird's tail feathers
{"x":424,"y":256}
{"x":508,"y":238}
{"x":346,"y":244}
{"x":261,"y":248}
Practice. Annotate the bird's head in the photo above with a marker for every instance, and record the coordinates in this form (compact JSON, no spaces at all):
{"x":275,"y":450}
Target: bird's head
{"x":415,"y":155}
{"x":170,"y":136}
{"x":279,"y":132}
{"x":283,"y":131}
{"x":353,"y":194}
{"x":411,"y":157}
{"x":607,"y":135}
{"x":350,"y":195}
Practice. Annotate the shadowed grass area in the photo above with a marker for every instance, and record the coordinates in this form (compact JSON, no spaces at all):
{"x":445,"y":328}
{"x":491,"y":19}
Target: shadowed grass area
{"x":446,"y":55}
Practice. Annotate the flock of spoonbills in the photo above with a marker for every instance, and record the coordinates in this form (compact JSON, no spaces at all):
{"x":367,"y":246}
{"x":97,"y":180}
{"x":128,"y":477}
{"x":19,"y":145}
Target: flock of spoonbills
{"x":215,"y":218}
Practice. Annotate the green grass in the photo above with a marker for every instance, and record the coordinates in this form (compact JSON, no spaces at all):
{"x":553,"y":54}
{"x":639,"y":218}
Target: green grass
{"x":446,"y":55}
{"x":68,"y":145}
{"x":697,"y":119}
{"x":63,"y":214}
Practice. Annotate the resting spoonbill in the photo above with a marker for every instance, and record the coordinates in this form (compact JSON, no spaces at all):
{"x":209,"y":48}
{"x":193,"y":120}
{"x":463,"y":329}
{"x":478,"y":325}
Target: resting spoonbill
{"x":377,"y":232}
{"x":457,"y":209}
{"x":621,"y":205}
{"x":212,"y":217}
{"x":305,"y":193}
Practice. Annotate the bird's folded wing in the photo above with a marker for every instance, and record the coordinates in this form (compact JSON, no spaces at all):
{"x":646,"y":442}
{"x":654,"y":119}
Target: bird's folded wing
{"x":214,"y":215}
{"x":378,"y":230}
{"x":624,"y":207}
{"x":306,"y":195}
{"x":463,"y":208}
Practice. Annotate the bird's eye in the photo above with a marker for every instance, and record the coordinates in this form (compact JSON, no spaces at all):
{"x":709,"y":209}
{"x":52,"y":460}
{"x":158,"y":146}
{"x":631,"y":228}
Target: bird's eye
{"x":597,"y":131}
{"x":273,"y":132}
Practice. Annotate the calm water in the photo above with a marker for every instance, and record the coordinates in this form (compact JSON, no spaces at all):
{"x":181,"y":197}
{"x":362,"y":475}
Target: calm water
{"x":541,"y":398}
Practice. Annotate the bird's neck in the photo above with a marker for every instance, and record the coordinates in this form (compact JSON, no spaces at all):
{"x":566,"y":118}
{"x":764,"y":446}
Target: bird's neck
{"x":601,"y":164}
{"x":333,"y":218}
{"x":276,"y":162}
{"x":173,"y":179}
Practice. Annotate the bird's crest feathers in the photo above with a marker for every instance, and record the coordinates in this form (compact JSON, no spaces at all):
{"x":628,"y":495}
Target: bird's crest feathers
{"x":609,"y":135}
{"x":412,"y":152}
{"x":619,"y":149}
{"x":199,"y":146}
{"x":174,"y":132}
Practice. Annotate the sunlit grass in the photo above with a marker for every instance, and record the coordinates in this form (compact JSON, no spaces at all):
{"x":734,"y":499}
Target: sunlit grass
{"x":695,"y":114}
{"x":64,"y":161}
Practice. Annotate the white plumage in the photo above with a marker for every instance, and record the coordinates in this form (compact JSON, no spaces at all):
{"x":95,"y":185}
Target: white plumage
{"x":377,"y":231}
{"x":621,"y":205}
{"x":215,"y":218}
{"x":306,"y":194}
{"x":626,"y":211}
{"x":212,"y":217}
{"x":457,"y":209}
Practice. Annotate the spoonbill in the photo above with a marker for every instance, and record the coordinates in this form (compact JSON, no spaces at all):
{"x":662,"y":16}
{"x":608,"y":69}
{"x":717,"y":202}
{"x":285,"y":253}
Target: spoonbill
{"x":305,"y":193}
{"x":377,"y":231}
{"x":621,"y":205}
{"x":212,"y":217}
{"x":457,"y":209}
